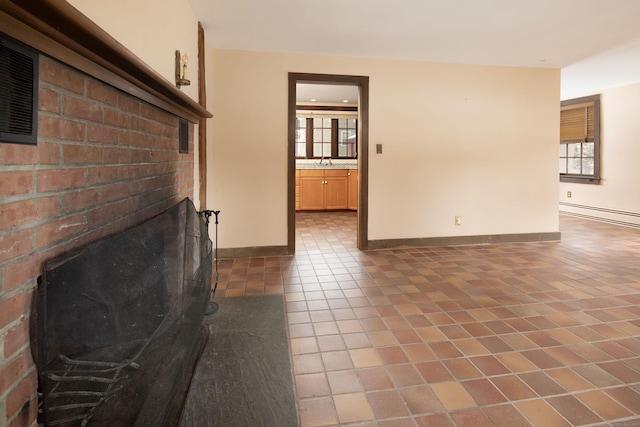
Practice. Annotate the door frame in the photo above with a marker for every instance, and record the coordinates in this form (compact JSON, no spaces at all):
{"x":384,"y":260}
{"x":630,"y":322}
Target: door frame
{"x":362,"y":82}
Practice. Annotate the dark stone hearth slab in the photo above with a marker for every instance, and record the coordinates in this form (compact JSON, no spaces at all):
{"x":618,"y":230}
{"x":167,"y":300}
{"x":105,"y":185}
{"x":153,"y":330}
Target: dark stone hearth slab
{"x":244,"y":376}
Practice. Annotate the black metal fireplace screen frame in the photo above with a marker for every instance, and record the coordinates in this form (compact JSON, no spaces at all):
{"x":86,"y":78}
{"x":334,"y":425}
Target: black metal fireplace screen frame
{"x":117,"y":326}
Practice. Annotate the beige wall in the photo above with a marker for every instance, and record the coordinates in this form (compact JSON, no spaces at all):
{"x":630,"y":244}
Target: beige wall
{"x":617,"y":197}
{"x":152,"y":29}
{"x":480,"y":142}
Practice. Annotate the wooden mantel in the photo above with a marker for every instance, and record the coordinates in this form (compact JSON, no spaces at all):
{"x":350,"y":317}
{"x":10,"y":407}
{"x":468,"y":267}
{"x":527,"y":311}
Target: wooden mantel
{"x":58,"y":30}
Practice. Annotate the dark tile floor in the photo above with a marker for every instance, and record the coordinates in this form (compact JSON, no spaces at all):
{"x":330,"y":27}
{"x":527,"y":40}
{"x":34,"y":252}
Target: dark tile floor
{"x":543,"y":334}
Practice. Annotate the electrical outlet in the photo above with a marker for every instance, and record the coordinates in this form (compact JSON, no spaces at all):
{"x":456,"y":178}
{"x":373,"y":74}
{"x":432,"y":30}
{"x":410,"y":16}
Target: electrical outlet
{"x":568,"y":194}
{"x":378,"y":148}
{"x":458,"y":220}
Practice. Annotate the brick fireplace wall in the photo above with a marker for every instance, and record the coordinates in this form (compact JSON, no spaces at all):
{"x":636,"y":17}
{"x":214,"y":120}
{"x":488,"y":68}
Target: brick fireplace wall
{"x":104,"y":162}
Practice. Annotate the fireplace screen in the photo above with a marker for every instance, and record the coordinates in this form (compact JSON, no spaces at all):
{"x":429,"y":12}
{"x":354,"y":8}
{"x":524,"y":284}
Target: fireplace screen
{"x":117,"y":325}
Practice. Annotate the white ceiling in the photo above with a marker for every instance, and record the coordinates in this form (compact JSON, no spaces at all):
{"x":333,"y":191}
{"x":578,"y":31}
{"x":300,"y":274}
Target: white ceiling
{"x":321,"y":94}
{"x":596,"y":43}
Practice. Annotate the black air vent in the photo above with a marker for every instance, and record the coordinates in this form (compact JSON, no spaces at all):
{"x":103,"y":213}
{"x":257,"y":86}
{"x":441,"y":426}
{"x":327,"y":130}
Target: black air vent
{"x":183,"y":137}
{"x":18,"y":93}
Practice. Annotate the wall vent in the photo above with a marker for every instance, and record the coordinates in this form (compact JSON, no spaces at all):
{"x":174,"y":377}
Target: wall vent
{"x":183,"y":137}
{"x":18,"y":93}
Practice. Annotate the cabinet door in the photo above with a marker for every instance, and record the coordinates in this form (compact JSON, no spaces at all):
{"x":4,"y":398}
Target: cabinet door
{"x":297,"y":189}
{"x":311,"y":190}
{"x":353,"y":190}
{"x":336,"y":189}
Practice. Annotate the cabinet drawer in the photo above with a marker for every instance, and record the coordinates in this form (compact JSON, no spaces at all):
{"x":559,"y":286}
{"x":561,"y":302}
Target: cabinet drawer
{"x":336,"y":172}
{"x":311,"y":172}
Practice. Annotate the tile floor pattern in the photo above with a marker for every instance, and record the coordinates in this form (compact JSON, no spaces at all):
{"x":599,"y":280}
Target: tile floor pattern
{"x":543,"y":333}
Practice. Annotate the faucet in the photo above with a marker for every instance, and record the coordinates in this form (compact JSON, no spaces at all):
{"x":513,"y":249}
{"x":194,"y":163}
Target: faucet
{"x":322,"y":159}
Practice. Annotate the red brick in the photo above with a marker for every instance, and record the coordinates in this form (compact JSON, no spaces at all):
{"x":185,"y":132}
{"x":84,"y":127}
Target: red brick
{"x":115,"y":192}
{"x":158,"y":115}
{"x":147,"y":141}
{"x":149,"y":112}
{"x":18,"y":213}
{"x":137,"y":124}
{"x":48,"y":206}
{"x":168,"y":119}
{"x":22,"y":396}
{"x":154,"y":128}
{"x":102,"y":174}
{"x":148,"y":170}
{"x":22,"y":273}
{"x":153,"y":183}
{"x":15,"y":244}
{"x":13,"y":307}
{"x":27,"y":416}
{"x":130,"y":171}
{"x":80,"y":200}
{"x":135,"y":171}
{"x":56,"y":128}
{"x":100,"y":92}
{"x":104,"y":134}
{"x":80,"y":108}
{"x":48,"y":153}
{"x":16,"y":338}
{"x":172,"y":155}
{"x":48,"y":100}
{"x":142,"y":156}
{"x":60,"y":230}
{"x":150,"y":200}
{"x":116,"y":155}
{"x":129,"y":104}
{"x":117,"y":226}
{"x":16,"y":183}
{"x":116,"y":118}
{"x":150,"y":204}
{"x":14,"y":369}
{"x":61,"y":179}
{"x":53,"y":73}
{"x":107,"y":213}
{"x":17,"y":154}
{"x":86,"y":238}
{"x":128,"y":139}
{"x":171,"y":132}
{"x":165,"y":168}
{"x":169,"y":146}
{"x":82,"y":154}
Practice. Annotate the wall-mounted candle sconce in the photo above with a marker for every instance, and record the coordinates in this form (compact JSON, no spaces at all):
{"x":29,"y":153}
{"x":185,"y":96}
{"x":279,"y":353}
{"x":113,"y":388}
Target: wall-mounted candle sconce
{"x":181,"y":70}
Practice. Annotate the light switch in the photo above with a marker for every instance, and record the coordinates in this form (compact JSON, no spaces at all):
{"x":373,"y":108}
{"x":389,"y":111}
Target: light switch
{"x":379,"y":148}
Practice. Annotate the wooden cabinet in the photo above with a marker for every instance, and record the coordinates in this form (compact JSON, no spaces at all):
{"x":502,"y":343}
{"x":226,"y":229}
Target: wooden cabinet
{"x":322,"y":189}
{"x":311,"y":189}
{"x":336,"y":188}
{"x":352,"y":203}
{"x":298,"y":179}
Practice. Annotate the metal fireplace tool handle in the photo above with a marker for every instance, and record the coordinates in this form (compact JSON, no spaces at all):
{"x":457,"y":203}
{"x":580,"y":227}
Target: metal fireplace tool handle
{"x":212,"y":307}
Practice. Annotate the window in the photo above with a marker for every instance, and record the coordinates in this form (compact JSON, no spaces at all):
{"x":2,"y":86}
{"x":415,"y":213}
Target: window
{"x":326,"y":137}
{"x":301,"y":137}
{"x":322,"y":137}
{"x":580,"y":140}
{"x":347,"y":142}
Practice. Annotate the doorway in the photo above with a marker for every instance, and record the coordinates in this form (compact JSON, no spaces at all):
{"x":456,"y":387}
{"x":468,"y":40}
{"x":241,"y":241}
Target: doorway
{"x":362,"y":83}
